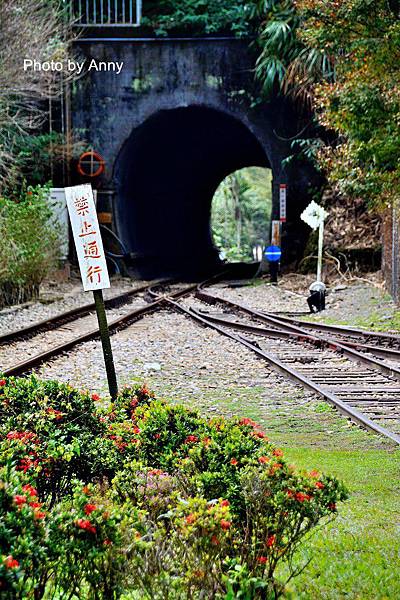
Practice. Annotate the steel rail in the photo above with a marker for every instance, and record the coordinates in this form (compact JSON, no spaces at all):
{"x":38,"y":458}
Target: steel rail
{"x":70,"y":315}
{"x":339,"y":347}
{"x":345,"y":409}
{"x":114,"y":325}
{"x":339,"y":329}
{"x":281,"y":333}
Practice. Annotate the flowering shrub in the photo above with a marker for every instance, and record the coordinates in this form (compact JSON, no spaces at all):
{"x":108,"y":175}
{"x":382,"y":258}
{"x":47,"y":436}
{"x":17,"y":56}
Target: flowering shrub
{"x":143,"y":497}
{"x":54,"y":434}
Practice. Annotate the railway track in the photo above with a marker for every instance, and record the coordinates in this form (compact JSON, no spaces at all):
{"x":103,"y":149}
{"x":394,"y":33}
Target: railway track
{"x":69,"y":316}
{"x":382,"y":344}
{"x":335,"y":363}
{"x":364,"y":389}
{"x":80,"y":321}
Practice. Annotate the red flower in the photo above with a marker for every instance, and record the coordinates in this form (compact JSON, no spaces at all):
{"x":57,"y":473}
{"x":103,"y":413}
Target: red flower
{"x":332,"y":506}
{"x":26,"y":463}
{"x":85,"y":525}
{"x":302,"y":497}
{"x":225,"y":525}
{"x":262,"y":560}
{"x":271,"y":541}
{"x":247,"y":421}
{"x":214,"y":540}
{"x":277,"y":452}
{"x":39,"y":515}
{"x":155,"y":472}
{"x":29,"y":193}
{"x":86,"y":490}
{"x":29,"y":489}
{"x":224,"y":502}
{"x":23,"y":436}
{"x":234,"y":461}
{"x":11,"y":563}
{"x":95,"y":397}
{"x":263,"y":460}
{"x":206,"y":441}
{"x":134,"y":403}
{"x":191,"y":439}
{"x":190,"y":519}
{"x":107,"y":542}
{"x":136,"y":429}
{"x":35,"y":504}
{"x":89,"y":508}
{"x":157,"y":436}
{"x":290,"y":493}
{"x":2,"y":382}
{"x":314,"y":474}
{"x":19,"y":500}
{"x":319,"y":485}
{"x":57,"y":414}
{"x":275,"y":467}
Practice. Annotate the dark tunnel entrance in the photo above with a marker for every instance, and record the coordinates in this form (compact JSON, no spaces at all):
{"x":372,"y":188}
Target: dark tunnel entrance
{"x":166,"y":175}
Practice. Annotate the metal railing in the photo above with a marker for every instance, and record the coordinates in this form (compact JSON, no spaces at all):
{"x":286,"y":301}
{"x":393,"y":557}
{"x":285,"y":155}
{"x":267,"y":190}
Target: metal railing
{"x":106,"y":13}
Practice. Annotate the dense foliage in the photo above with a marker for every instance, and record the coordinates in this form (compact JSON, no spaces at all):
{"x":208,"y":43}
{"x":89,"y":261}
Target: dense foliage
{"x":341,"y":57}
{"x":144,"y":498}
{"x":197,"y":17}
{"x":241,"y":212}
{"x":29,"y":244}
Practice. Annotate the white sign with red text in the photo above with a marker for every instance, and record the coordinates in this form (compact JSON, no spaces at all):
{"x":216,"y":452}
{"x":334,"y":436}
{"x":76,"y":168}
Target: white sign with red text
{"x":88,"y":242}
{"x":282,"y":202}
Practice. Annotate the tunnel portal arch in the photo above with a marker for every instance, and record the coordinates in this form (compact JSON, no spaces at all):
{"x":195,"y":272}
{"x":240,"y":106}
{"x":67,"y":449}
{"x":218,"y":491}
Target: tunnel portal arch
{"x":166,"y":174}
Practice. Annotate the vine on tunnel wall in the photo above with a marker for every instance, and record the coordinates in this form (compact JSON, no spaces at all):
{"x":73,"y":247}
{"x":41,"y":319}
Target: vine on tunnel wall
{"x":241,"y":212}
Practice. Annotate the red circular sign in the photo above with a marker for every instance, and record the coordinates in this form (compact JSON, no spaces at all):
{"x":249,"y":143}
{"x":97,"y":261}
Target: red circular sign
{"x":91,"y":164}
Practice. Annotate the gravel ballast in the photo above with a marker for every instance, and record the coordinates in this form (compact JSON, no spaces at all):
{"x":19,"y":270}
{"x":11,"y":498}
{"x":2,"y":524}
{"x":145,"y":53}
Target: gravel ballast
{"x":185,"y":362}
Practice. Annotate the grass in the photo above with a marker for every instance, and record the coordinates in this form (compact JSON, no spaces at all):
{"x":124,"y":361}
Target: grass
{"x":376,"y":320}
{"x":357,"y":556}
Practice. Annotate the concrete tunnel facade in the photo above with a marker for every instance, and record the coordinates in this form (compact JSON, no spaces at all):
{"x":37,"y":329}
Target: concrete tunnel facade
{"x":171,"y":126}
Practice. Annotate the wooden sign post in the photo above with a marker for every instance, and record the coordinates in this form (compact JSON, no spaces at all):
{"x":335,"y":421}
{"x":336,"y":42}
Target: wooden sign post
{"x":92,"y":264}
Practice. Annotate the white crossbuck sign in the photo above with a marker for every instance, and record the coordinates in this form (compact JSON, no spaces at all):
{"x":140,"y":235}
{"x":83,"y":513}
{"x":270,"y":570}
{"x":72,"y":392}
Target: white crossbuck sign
{"x":314,"y":215}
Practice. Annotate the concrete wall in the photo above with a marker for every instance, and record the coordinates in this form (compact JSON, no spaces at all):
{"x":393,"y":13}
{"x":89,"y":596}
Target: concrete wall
{"x":391,"y":252}
{"x":158,"y":75}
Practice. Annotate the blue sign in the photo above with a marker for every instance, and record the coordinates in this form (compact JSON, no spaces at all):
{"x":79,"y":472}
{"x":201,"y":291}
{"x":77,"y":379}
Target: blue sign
{"x":272,"y":253}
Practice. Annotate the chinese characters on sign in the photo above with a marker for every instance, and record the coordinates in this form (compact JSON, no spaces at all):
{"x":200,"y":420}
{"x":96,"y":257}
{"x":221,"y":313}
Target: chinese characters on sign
{"x":89,"y":246}
{"x":282,"y":202}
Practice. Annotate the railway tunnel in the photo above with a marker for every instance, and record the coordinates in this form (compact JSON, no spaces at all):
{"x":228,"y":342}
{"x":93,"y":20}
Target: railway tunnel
{"x":166,"y":175}
{"x":181,"y":116}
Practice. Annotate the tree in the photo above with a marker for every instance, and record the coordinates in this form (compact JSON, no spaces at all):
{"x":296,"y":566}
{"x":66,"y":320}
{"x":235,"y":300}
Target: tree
{"x":343,"y":57}
{"x":34,"y":29}
{"x":241,"y":212}
{"x":286,"y":65}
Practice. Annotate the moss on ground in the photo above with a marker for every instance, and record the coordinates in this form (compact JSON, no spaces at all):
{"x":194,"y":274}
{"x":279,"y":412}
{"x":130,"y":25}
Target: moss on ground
{"x":377,"y":320}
